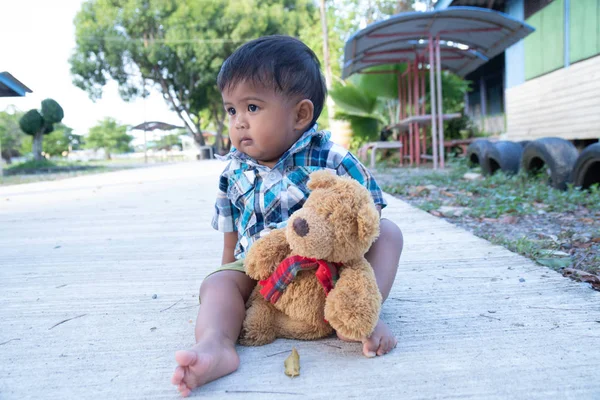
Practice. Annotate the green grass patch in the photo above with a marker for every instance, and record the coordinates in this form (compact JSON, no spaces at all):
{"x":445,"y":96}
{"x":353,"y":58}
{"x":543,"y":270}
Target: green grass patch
{"x":46,"y":167}
{"x":498,"y":194}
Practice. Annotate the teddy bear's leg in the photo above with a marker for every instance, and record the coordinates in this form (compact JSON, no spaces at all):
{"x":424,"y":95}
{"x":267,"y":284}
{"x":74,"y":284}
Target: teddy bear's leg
{"x":352,"y":307}
{"x":294,"y":329}
{"x":258,"y":328}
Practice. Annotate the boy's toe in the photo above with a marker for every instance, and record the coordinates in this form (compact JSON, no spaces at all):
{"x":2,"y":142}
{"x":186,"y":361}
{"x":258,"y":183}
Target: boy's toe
{"x":386,"y":345}
{"x":185,"y":358}
{"x":370,"y":346}
{"x":184,"y":390}
{"x":178,"y":376}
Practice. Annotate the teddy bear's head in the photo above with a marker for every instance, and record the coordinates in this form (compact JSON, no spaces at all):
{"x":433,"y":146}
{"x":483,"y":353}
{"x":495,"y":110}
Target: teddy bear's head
{"x":338,"y":222}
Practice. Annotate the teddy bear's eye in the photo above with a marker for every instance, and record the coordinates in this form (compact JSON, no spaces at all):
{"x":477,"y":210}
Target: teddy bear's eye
{"x":328,"y":214}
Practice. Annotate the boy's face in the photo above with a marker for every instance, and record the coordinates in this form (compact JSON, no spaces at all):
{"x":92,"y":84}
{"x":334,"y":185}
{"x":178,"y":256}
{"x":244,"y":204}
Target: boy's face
{"x":262,"y":123}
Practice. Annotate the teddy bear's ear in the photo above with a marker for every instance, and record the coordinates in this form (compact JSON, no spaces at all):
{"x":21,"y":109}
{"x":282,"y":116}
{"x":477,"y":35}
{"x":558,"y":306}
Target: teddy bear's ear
{"x":321,"y":179}
{"x":368,"y":222}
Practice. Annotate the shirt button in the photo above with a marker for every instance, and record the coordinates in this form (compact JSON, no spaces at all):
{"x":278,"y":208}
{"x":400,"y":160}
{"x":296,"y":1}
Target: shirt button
{"x":272,"y":176}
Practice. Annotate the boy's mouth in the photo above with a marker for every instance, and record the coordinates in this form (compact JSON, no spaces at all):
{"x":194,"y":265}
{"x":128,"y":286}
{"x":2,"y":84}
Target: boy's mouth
{"x":245,"y":140}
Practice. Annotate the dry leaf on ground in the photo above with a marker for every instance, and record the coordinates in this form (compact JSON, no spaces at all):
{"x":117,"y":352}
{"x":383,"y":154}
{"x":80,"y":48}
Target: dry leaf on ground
{"x":583,"y":276}
{"x":292,"y":364}
{"x":508,"y":219}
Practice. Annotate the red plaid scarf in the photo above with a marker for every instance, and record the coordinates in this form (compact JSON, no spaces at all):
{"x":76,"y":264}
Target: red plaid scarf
{"x":284,"y":274}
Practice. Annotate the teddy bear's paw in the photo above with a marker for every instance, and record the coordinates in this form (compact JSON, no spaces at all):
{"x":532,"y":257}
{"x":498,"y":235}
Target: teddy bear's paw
{"x":255,"y":338}
{"x":354,"y":332}
{"x":351,"y":319}
{"x":257,"y":329}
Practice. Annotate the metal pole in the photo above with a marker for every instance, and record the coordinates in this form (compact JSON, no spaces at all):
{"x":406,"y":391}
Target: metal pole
{"x":1,"y":161}
{"x":145,"y":143}
{"x":410,"y":113}
{"x":416,"y":128}
{"x":423,"y":110}
{"x":433,"y":105}
{"x":438,"y":71}
{"x":400,"y":138}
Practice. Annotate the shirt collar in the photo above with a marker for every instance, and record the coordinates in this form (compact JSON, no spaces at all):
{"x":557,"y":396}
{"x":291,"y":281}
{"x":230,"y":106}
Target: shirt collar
{"x":305,"y":140}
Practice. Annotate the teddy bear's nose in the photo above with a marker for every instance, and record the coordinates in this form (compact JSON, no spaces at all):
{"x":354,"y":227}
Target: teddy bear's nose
{"x":301,"y":227}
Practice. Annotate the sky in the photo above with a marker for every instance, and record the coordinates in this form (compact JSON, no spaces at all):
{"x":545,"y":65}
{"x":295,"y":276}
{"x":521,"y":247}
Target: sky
{"x":37,"y":37}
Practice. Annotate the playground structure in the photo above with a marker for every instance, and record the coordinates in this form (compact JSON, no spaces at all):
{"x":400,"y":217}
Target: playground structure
{"x":457,"y":39}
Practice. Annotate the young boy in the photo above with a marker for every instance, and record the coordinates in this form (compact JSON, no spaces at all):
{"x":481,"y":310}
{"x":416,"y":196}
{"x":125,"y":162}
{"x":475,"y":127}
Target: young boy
{"x":274,"y":92}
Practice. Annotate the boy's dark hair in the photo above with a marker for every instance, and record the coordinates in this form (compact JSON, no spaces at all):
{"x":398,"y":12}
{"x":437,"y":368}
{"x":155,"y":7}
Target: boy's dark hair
{"x":281,"y":63}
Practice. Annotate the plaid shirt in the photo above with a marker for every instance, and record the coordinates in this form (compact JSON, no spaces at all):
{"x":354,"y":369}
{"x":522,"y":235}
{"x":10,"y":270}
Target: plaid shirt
{"x":253,"y":199}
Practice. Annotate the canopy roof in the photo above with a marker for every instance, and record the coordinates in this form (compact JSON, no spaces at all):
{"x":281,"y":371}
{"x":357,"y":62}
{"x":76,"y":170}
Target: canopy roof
{"x":153,"y":125}
{"x":11,"y":86}
{"x":469,"y":38}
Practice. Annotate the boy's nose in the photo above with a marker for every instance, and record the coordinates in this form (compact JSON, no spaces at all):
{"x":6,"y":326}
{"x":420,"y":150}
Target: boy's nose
{"x":300,"y":227}
{"x":240,"y":124}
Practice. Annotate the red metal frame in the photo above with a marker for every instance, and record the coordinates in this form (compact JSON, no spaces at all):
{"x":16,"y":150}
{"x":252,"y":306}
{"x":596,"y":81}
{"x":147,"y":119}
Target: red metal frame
{"x":412,"y":88}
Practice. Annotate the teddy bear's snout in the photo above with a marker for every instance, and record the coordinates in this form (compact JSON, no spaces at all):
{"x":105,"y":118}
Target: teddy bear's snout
{"x":301,"y":227}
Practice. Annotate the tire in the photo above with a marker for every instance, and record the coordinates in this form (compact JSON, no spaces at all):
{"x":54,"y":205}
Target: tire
{"x":504,"y":156}
{"x":586,"y":171}
{"x":477,"y":151}
{"x":554,"y":155}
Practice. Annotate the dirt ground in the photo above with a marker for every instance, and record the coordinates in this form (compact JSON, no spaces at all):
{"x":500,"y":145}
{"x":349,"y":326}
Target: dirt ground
{"x":558,"y":229}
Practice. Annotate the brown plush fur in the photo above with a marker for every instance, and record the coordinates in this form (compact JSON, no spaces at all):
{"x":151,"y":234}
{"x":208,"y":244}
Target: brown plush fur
{"x":343,"y":222}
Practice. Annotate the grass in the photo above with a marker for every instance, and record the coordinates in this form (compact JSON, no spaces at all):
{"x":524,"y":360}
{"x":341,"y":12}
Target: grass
{"x":45,"y":166}
{"x":49,"y":170}
{"x":499,"y":194}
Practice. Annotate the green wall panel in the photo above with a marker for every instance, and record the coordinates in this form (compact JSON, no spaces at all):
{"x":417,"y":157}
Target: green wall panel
{"x":584,"y":33}
{"x":544,"y":48}
{"x":533,"y":48}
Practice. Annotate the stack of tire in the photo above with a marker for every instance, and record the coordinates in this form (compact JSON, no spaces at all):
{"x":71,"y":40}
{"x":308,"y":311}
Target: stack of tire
{"x":559,"y":158}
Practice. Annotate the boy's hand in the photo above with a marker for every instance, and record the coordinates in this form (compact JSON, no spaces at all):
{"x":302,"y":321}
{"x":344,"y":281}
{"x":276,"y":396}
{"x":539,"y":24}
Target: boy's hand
{"x":229,"y":242}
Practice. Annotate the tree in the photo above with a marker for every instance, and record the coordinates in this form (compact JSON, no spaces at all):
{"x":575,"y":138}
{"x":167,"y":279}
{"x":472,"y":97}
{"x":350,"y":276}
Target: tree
{"x":61,"y":140}
{"x":110,"y":136}
{"x":370,"y":101}
{"x":176,"y":47}
{"x":39,"y":123}
{"x":10,"y":134}
{"x":167,"y":142}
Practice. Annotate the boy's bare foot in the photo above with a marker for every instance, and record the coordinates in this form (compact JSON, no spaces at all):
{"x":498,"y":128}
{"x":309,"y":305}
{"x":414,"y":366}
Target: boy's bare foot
{"x":211,"y":358}
{"x":381,"y":341}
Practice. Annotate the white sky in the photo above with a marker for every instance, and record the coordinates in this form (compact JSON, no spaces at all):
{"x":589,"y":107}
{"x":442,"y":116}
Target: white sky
{"x":37,"y":37}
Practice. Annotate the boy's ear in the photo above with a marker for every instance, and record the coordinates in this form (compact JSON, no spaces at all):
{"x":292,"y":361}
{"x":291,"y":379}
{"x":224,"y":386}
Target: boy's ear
{"x":305,"y":110}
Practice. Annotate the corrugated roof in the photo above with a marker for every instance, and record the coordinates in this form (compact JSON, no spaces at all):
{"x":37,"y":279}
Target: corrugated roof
{"x":471,"y":35}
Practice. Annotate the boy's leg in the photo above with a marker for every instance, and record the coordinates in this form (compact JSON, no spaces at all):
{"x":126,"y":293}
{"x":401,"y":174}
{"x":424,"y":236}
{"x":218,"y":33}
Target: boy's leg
{"x":384,"y":256}
{"x":223,"y":298}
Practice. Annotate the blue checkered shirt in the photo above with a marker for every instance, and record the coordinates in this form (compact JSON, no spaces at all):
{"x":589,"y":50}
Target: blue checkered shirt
{"x":253,"y":199}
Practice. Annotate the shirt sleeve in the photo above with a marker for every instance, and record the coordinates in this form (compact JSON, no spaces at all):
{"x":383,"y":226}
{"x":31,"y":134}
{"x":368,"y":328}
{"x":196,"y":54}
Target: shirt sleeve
{"x":351,"y":166}
{"x":226,"y":213}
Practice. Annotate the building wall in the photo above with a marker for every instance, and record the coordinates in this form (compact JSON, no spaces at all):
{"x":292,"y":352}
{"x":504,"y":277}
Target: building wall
{"x":515,"y":54}
{"x":564,"y":103}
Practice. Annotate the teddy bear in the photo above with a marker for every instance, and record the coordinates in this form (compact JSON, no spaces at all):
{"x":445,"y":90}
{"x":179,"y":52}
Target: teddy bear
{"x":313,"y":275}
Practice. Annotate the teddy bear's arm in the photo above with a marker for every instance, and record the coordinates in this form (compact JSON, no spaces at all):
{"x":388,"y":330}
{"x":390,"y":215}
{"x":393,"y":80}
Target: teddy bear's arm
{"x":266,"y":254}
{"x":352,"y":307}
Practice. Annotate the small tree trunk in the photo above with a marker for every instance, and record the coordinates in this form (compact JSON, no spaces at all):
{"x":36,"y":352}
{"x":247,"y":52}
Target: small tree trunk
{"x":37,"y":145}
{"x":326,"y":62}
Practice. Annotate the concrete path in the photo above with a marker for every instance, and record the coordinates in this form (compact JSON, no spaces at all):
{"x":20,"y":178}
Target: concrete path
{"x":99,"y":278}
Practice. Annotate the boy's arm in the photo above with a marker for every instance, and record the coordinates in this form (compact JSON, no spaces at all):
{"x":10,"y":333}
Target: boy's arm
{"x":351,"y":166}
{"x":229,"y":242}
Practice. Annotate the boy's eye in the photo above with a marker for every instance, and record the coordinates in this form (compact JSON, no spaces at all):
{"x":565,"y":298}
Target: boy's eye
{"x":231,"y":111}
{"x":252,"y":107}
